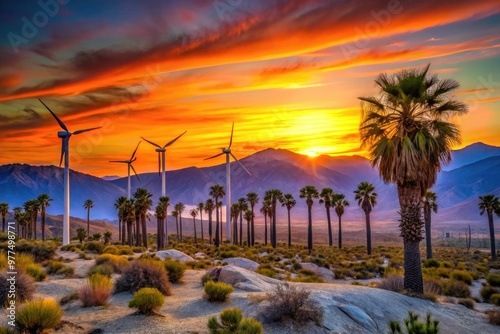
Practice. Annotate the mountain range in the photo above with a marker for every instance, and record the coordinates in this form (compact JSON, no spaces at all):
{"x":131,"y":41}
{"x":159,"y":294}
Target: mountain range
{"x":475,"y":171}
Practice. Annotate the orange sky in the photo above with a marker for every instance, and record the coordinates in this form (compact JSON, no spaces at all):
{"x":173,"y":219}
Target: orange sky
{"x":288,"y":73}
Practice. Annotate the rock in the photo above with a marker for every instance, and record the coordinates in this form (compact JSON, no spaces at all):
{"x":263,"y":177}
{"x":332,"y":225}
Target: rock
{"x":243,"y":279}
{"x":322,"y":272}
{"x":200,"y":256}
{"x":359,"y":316}
{"x":242,"y":263}
{"x":174,"y":254}
{"x":263,"y":254}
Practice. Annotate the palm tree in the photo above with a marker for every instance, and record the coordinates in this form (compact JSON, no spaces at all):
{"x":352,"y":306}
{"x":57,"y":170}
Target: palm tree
{"x":44,"y":200}
{"x":4,"y":209}
{"x":165,"y":202}
{"x":289,"y":202}
{"x":180,"y":207}
{"x":248,"y":215}
{"x":490,"y":204}
{"x":160,"y":219}
{"x":309,"y":193}
{"x":221,"y":230}
{"x":175,"y":214}
{"x":194,"y":214}
{"x":430,"y":205}
{"x":273,"y":195}
{"x":107,"y":237}
{"x":80,"y":234}
{"x":201,"y":207}
{"x":367,"y":199}
{"x":242,"y":207}
{"x":17,"y":217}
{"x":235,"y":213}
{"x":209,"y":209}
{"x":326,"y":197}
{"x":265,"y":209}
{"x":408,"y":135}
{"x":339,"y":203}
{"x":217,"y":192}
{"x":252,"y":199}
{"x":88,"y":204}
{"x":128,"y":217}
{"x":30,"y":207}
{"x":143,"y":203}
{"x":121,"y":224}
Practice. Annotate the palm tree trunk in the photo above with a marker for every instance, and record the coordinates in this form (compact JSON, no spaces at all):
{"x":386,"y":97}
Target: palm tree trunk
{"x":165,"y":239}
{"x":253,"y":229}
{"x":43,"y":223}
{"x":201,"y":220}
{"x":210,"y":226}
{"x":368,"y":234}
{"x":129,"y":228}
{"x":340,"y":232}
{"x":330,"y":236}
{"x":88,"y":222}
{"x":3,"y":223}
{"x":137,"y":231}
{"x":274,"y":224}
{"x":248,"y":233}
{"x":119,"y":230}
{"x":235,"y":230}
{"x":177,"y":227}
{"x":289,"y":230}
{"x":412,"y":267}
{"x":144,"y":230}
{"x":220,"y":227}
{"x":194,"y":226}
{"x":492,"y":236}
{"x":428,"y":240}
{"x":309,"y":229}
{"x":265,"y":229}
{"x":241,"y":228}
{"x":217,"y":236}
{"x":34,"y":223}
{"x":123,"y":231}
{"x":180,"y":225}
{"x":158,"y":234}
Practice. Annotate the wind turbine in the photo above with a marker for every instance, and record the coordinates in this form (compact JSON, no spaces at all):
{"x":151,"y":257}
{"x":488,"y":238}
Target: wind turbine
{"x":161,"y":161}
{"x":227,"y":152}
{"x":129,"y":164}
{"x":65,"y":136}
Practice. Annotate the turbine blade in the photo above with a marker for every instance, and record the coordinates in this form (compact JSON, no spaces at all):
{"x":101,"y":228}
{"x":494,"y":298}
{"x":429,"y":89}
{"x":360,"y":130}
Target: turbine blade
{"x":61,"y":124}
{"x":215,"y":156}
{"x":133,"y":154}
{"x":131,"y":166}
{"x":151,"y":142}
{"x":159,"y":164}
{"x":85,"y":130}
{"x":120,"y":161}
{"x":231,"y":140}
{"x":173,"y":141}
{"x":246,"y":170}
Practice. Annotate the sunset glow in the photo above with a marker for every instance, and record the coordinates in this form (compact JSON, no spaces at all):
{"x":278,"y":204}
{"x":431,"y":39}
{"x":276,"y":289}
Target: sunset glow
{"x":288,"y":73}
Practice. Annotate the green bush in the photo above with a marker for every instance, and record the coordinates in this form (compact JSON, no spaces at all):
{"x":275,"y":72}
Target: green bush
{"x":175,"y":270}
{"x":461,"y":275}
{"x":117,"y":262}
{"x":59,"y":268}
{"x":206,"y":278}
{"x":144,"y":274}
{"x":111,"y":250}
{"x":102,"y":269}
{"x":138,"y":249}
{"x":457,"y":289}
{"x":495,"y":299}
{"x":431,"y":263}
{"x":493,"y":280}
{"x":38,"y":316}
{"x":40,"y":250}
{"x":25,"y":287}
{"x":217,"y":291}
{"x":94,"y":247}
{"x":37,"y":273}
{"x":232,"y":321}
{"x":487,"y":291}
{"x":413,"y":326}
{"x":6,"y":330}
{"x":69,"y":298}
{"x":147,"y":300}
{"x":97,"y":291}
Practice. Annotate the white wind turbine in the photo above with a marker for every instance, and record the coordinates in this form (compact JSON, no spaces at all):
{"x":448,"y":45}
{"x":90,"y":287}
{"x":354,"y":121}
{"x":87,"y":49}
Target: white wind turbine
{"x":129,"y":164}
{"x":227,"y":152}
{"x":65,"y":136}
{"x":161,"y":161}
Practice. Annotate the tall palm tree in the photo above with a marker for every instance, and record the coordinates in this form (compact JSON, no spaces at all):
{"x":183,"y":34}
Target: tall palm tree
{"x":235,"y":213}
{"x":209,"y":209}
{"x":194,"y":213}
{"x":248,"y":215}
{"x":273,"y":195}
{"x":160,"y":218}
{"x":30,"y":207}
{"x":175,"y":214}
{"x":339,"y":203}
{"x":143,"y":203}
{"x":289,"y":202}
{"x":242,"y":207}
{"x":88,"y":204}
{"x":128,"y":217}
{"x":219,"y":207}
{"x":201,"y":207}
{"x":430,"y":204}
{"x":407,"y":132}
{"x":165,"y":202}
{"x":25,"y":219}
{"x":490,"y":204}
{"x":44,"y":201}
{"x":309,"y":193}
{"x":17,"y":217}
{"x":180,"y":207}
{"x":121,"y":223}
{"x":252,"y":199}
{"x":265,"y":209}
{"x":367,"y":198}
{"x":217,"y":192}
{"x":326,"y":197}
{"x":4,"y":209}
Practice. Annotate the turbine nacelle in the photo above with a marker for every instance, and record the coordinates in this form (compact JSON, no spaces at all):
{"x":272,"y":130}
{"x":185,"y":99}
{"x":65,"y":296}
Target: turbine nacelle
{"x":226,"y":150}
{"x":64,"y":134}
{"x":160,"y":150}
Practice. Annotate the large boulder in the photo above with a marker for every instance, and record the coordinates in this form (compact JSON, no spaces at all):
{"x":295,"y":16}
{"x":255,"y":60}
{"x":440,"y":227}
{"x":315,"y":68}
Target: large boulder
{"x":322,"y":272}
{"x":242,"y":263}
{"x":174,"y":254}
{"x":243,"y":279}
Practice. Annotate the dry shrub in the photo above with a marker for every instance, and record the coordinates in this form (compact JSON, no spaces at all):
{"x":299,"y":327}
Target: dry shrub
{"x":432,"y":286}
{"x":493,"y":317}
{"x":147,"y":300}
{"x":141,"y":274}
{"x":457,"y":289}
{"x":217,"y":291}
{"x":467,"y":302}
{"x":392,"y":283}
{"x":39,"y":315}
{"x":97,"y":291}
{"x":116,"y":261}
{"x":290,"y":302}
{"x":25,"y":287}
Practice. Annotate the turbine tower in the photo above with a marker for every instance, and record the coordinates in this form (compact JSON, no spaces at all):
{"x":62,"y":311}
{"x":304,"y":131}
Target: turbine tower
{"x":65,"y":136}
{"x":161,"y":161}
{"x":129,"y":164}
{"x":227,"y":152}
